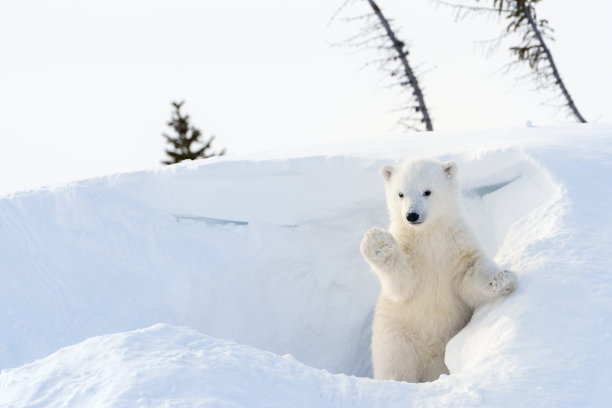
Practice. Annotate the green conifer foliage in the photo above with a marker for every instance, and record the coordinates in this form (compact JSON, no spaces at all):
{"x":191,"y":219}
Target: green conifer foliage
{"x":186,"y":136}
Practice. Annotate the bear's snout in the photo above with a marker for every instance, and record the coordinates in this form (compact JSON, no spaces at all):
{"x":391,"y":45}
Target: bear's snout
{"x":412,"y":217}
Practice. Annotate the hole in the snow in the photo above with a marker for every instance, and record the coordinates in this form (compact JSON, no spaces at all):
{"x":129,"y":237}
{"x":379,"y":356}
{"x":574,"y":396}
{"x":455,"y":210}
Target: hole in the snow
{"x":306,"y":291}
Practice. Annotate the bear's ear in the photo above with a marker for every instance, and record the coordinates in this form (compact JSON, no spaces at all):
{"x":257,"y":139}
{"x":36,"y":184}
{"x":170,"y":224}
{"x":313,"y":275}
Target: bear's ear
{"x":386,"y":171}
{"x":450,"y":169}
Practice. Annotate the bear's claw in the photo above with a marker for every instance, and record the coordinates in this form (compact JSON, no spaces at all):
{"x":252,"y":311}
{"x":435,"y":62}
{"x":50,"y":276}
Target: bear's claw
{"x":503,"y":282}
{"x":377,"y":244}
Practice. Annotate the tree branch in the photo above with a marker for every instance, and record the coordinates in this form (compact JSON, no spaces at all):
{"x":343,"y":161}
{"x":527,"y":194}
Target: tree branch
{"x":402,"y":56}
{"x":553,"y":66}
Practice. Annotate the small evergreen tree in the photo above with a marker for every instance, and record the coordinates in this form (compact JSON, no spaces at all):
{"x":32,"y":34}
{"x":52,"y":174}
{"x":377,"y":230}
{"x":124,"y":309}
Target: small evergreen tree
{"x":186,"y":136}
{"x":407,"y":78}
{"x":377,"y":32}
{"x":533,"y":31}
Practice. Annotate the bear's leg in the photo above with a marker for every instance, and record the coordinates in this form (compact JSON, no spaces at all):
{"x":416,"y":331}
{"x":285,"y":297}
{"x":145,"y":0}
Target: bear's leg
{"x":433,"y":370}
{"x":484,"y":280}
{"x":394,"y":357}
{"x":390,"y":263}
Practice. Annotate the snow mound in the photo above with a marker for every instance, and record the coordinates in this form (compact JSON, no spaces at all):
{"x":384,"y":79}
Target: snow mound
{"x":264,"y":252}
{"x":174,"y":366}
{"x":167,"y":366}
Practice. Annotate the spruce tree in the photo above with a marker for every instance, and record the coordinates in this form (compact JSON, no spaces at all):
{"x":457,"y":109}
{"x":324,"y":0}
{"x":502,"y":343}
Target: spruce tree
{"x":377,"y":32}
{"x":521,"y":18}
{"x":186,"y":136}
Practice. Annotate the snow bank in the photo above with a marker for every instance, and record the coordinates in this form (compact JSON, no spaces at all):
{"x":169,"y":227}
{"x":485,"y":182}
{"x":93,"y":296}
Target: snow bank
{"x":173,"y":366}
{"x":264,"y":252}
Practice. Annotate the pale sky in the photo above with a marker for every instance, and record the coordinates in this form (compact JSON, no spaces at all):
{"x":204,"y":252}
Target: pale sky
{"x":85,"y":87}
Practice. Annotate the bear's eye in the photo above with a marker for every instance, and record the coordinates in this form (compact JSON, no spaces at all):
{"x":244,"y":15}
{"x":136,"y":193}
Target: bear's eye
{"x":401,"y":195}
{"x":427,"y":193}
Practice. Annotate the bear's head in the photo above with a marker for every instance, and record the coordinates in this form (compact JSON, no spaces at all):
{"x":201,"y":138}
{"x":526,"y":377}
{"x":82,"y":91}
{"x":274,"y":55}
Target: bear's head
{"x":420,"y":191}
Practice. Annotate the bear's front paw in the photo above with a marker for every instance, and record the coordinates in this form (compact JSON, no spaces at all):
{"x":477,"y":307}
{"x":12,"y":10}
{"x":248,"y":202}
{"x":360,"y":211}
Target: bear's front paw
{"x":377,"y":245}
{"x":503,"y":282}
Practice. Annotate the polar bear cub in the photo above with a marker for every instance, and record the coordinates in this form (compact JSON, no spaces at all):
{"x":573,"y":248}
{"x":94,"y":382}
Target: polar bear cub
{"x":432,"y":272}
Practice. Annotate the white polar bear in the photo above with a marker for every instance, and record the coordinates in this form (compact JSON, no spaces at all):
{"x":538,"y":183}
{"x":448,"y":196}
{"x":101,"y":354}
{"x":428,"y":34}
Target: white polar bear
{"x":432,"y":271}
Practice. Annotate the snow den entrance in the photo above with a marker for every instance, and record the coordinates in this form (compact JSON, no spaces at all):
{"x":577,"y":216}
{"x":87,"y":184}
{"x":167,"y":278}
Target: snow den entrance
{"x":302,"y":288}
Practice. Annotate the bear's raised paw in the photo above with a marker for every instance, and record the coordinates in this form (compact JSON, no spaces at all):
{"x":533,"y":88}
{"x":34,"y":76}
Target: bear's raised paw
{"x":377,"y":245}
{"x":503,"y":282}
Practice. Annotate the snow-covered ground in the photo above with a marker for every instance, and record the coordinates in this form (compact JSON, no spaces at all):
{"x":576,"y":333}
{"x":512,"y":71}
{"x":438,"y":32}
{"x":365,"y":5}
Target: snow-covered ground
{"x":238,"y":281}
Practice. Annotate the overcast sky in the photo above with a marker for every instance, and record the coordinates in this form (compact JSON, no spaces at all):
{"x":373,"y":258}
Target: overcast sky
{"x":85,"y":87}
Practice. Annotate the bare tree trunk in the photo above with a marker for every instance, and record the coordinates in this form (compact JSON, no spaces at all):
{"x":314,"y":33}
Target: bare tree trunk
{"x":555,"y":72}
{"x":402,"y":54}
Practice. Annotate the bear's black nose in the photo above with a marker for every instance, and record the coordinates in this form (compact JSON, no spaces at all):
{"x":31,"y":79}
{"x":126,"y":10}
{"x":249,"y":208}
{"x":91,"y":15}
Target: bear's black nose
{"x":412,"y":217}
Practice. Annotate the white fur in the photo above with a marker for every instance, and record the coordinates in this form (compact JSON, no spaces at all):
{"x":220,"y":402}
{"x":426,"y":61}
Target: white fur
{"x":433,"y":274}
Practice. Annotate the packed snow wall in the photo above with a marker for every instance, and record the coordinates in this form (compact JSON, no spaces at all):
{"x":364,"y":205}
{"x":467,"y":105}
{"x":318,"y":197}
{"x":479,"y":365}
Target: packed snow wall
{"x":263,"y":253}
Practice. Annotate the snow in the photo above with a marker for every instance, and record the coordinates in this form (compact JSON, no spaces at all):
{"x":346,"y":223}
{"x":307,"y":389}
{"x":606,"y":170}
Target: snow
{"x":238,"y":281}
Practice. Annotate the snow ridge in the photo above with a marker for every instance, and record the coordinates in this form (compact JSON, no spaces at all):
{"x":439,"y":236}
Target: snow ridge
{"x":85,"y":265}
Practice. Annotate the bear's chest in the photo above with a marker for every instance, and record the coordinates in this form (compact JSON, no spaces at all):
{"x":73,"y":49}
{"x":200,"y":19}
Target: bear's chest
{"x":431,"y":317}
{"x":436,"y":256}
{"x":435,"y":307}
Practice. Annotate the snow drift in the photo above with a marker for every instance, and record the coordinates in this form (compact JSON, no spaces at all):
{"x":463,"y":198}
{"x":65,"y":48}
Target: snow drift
{"x":263,"y":253}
